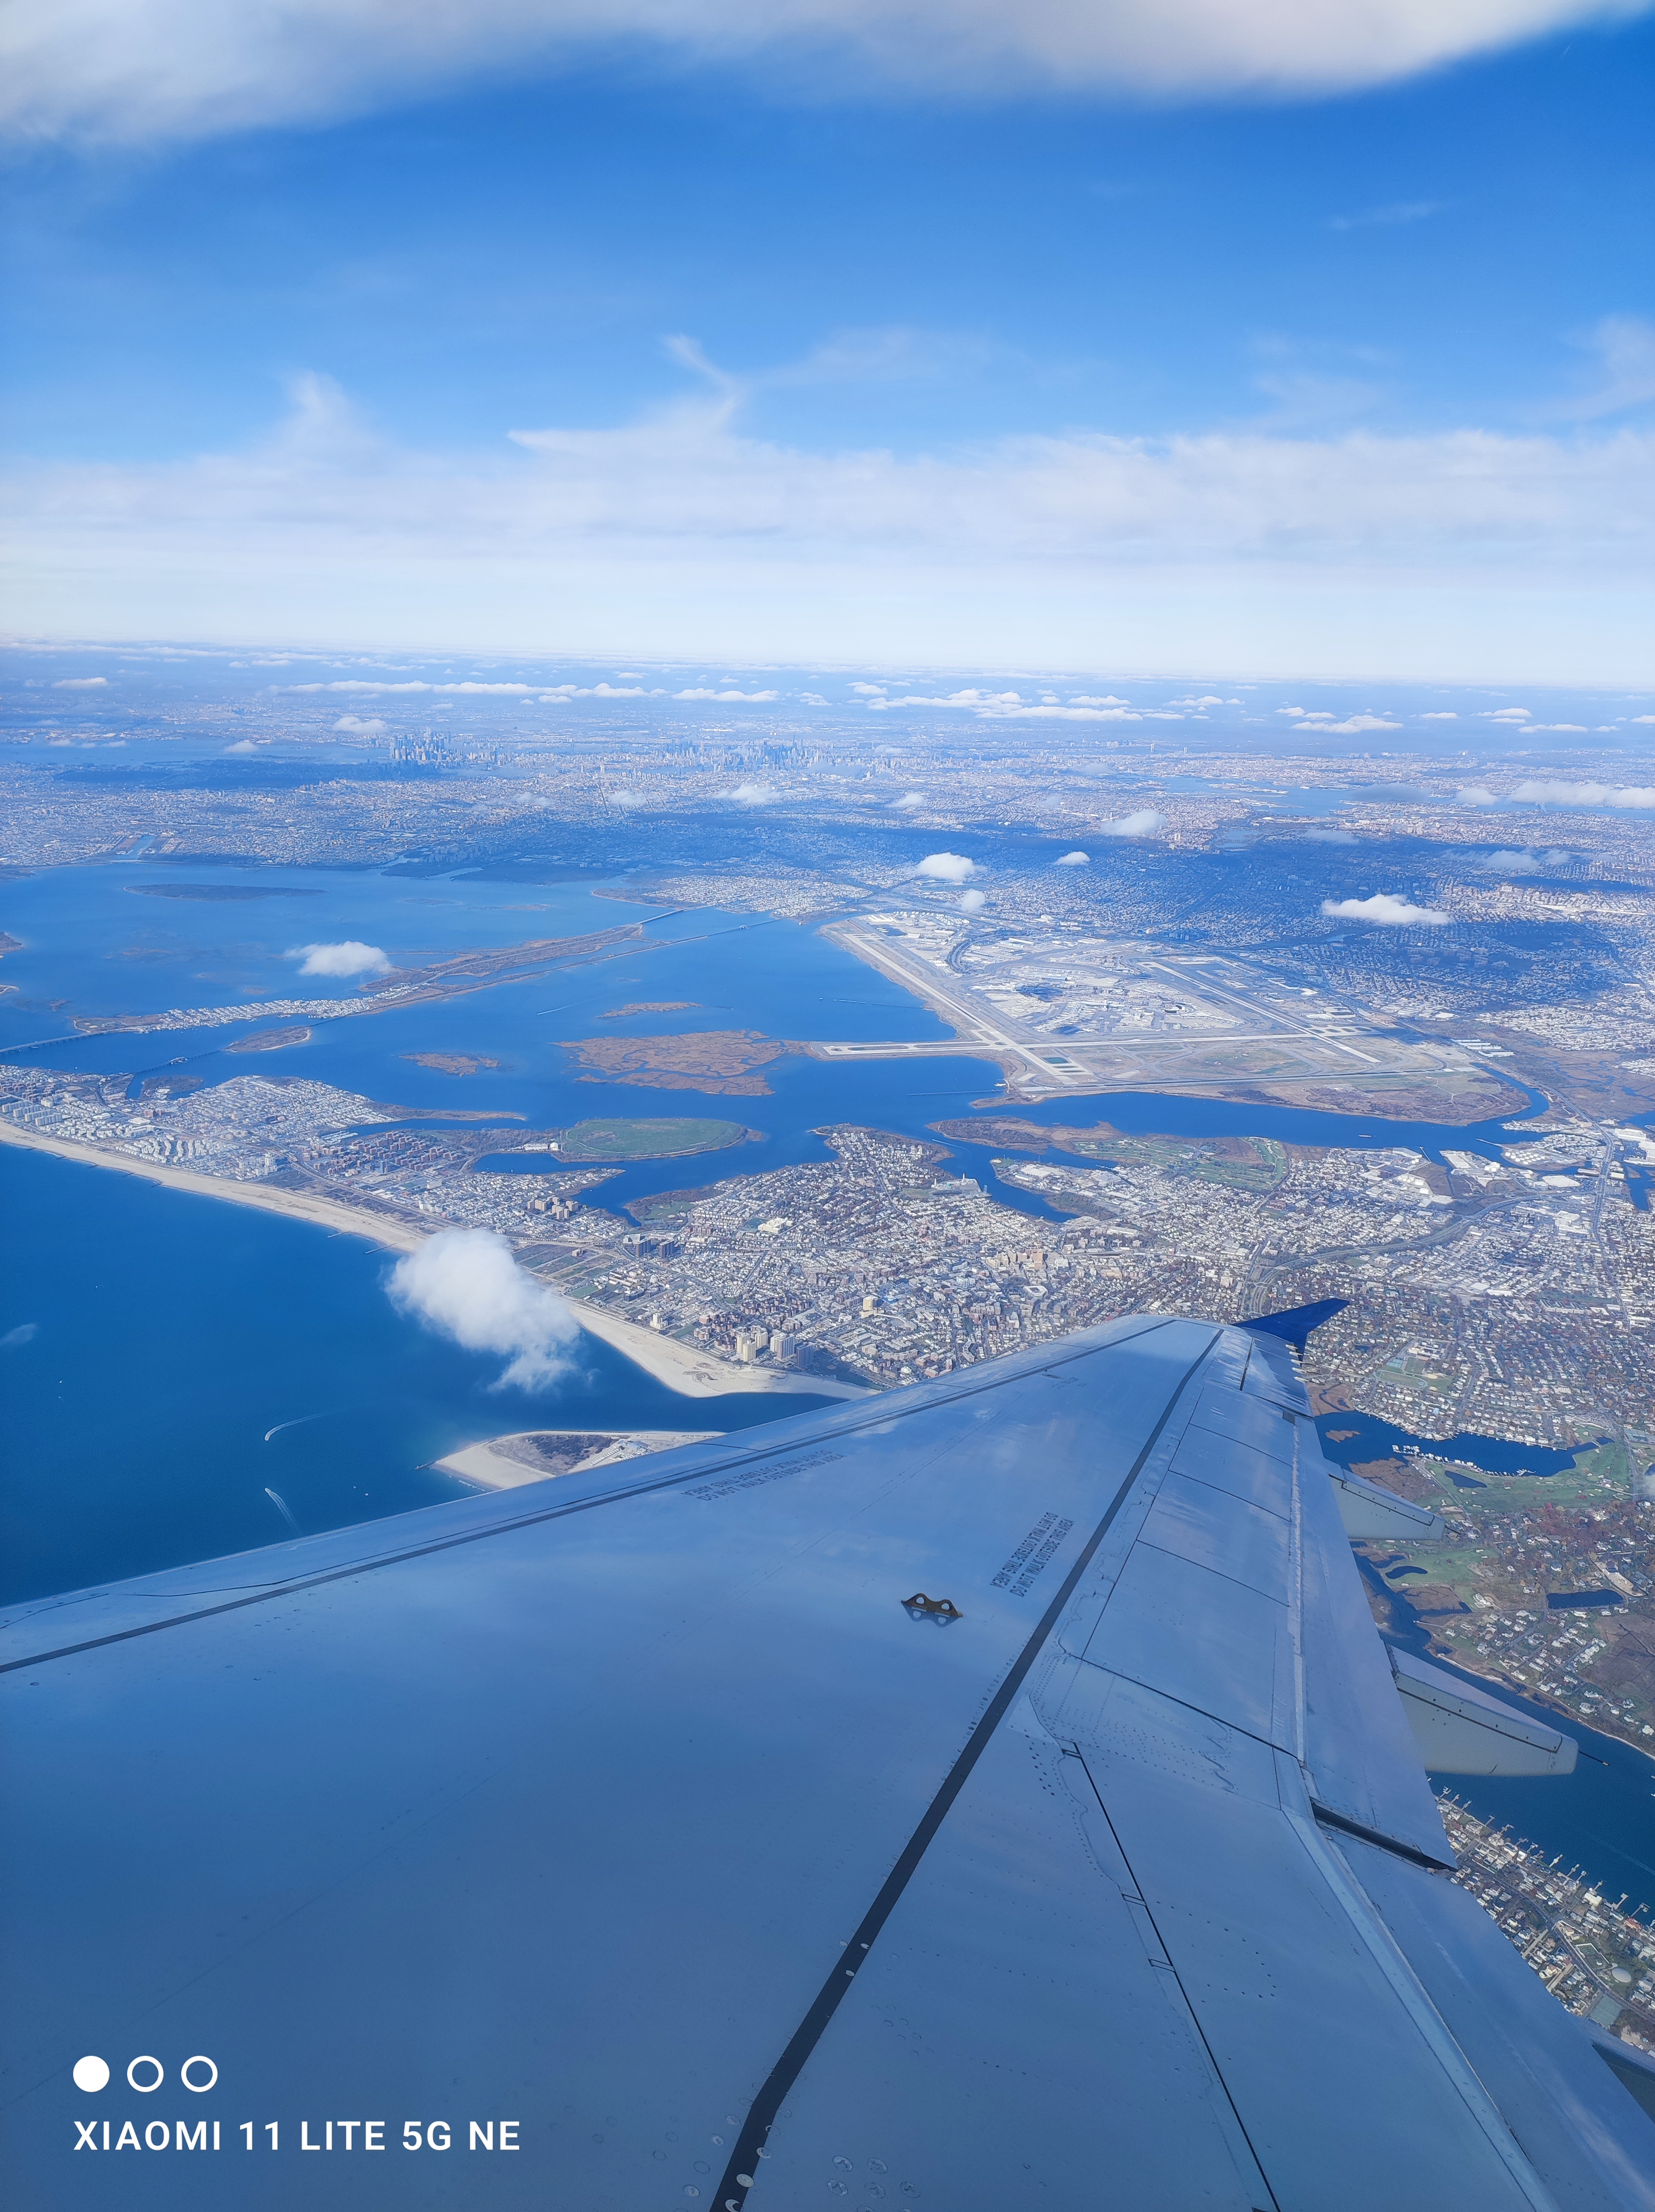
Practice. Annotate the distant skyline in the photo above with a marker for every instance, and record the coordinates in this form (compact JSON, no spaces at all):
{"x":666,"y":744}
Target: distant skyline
{"x":1104,"y":339}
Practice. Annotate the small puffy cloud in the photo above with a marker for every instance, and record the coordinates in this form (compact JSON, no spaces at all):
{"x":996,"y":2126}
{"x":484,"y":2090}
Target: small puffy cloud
{"x":25,"y":1333}
{"x":1639,"y":718}
{"x":1524,"y":863}
{"x":1536,"y":793}
{"x":366,"y":727}
{"x":973,"y":902}
{"x":1073,"y":860}
{"x":909,"y":800}
{"x":1574,"y":729}
{"x":753,"y":794}
{"x":1506,"y":715}
{"x":242,"y":746}
{"x":80,"y":683}
{"x":621,"y":799}
{"x":1321,"y":720}
{"x":1143,"y":823}
{"x":752,"y":698}
{"x":1385,"y":908}
{"x":869,"y":691}
{"x":1446,"y":715}
{"x":1476,"y":794}
{"x":464,"y":1284}
{"x":1108,"y":699}
{"x":947,"y":868}
{"x":349,"y":957}
{"x":1209,"y":699}
{"x":1330,"y":837}
{"x":811,"y":699}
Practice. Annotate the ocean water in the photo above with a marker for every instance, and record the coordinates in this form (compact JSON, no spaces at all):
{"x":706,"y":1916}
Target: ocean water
{"x":156,"y":1339}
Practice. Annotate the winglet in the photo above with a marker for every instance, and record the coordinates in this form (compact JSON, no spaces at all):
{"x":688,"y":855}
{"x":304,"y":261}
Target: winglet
{"x":1294,"y":1324}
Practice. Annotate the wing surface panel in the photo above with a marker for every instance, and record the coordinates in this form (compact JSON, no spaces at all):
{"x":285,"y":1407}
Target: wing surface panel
{"x":1571,"y":2114}
{"x":1359,"y":1749}
{"x":1014,"y":1960}
{"x":715,"y":1864}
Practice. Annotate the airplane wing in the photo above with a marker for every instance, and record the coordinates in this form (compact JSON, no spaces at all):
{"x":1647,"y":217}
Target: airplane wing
{"x":994,"y":1793}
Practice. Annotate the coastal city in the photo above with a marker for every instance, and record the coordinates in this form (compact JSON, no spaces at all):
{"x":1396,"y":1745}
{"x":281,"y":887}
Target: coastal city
{"x":1492,"y":1277}
{"x":1595,"y":1956}
{"x":828,"y":1107}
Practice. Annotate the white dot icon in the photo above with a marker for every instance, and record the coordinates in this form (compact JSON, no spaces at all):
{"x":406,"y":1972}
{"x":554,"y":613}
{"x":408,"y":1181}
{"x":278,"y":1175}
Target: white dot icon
{"x":91,"y":2074}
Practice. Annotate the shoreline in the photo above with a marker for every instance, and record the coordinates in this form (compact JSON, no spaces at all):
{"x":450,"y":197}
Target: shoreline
{"x":692,"y":1374}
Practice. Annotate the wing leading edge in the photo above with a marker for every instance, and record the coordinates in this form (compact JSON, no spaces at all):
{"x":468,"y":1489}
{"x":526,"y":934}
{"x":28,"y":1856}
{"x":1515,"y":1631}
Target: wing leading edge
{"x":638,"y":1836}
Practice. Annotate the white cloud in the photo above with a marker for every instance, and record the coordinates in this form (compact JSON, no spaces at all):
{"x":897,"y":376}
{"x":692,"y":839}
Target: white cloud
{"x":623,"y":799}
{"x":1466,"y":551}
{"x":1536,"y":792}
{"x":598,"y":691}
{"x":1143,"y":823}
{"x":349,"y":957}
{"x":1524,"y":863}
{"x":752,"y":698}
{"x":361,"y":683}
{"x":465,"y":1285}
{"x":1108,"y":699}
{"x":79,"y":683}
{"x":242,"y":746}
{"x":14,"y":1339}
{"x":811,"y":699}
{"x":870,"y":690}
{"x":753,"y":794}
{"x":1476,"y":794}
{"x":947,"y":868}
{"x":366,"y":728}
{"x":140,"y":70}
{"x":1073,"y":860}
{"x":1639,"y":718}
{"x":1330,"y":837}
{"x":1321,"y":721}
{"x":1625,"y":347}
{"x":973,"y":902}
{"x":1385,"y":908}
{"x":1446,"y":717}
{"x":909,"y":799}
{"x":1506,"y":715}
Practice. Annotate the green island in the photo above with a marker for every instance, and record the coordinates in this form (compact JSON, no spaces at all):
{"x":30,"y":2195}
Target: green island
{"x":1239,"y":1163}
{"x":628,"y":1140}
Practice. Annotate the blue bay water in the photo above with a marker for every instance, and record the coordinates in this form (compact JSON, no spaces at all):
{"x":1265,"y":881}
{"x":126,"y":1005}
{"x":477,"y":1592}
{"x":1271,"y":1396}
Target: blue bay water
{"x":173,"y":1332}
{"x":170,"y":1333}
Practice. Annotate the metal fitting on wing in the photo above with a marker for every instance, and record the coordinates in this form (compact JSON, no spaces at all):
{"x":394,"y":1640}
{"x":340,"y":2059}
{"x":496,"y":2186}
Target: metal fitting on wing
{"x":921,"y":1607}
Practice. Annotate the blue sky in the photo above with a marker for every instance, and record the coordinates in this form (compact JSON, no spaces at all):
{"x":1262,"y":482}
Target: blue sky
{"x":843,"y":364}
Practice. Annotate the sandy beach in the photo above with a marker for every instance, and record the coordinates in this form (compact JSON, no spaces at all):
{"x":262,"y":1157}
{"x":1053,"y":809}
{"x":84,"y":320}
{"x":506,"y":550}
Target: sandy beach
{"x":682,"y":1367}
